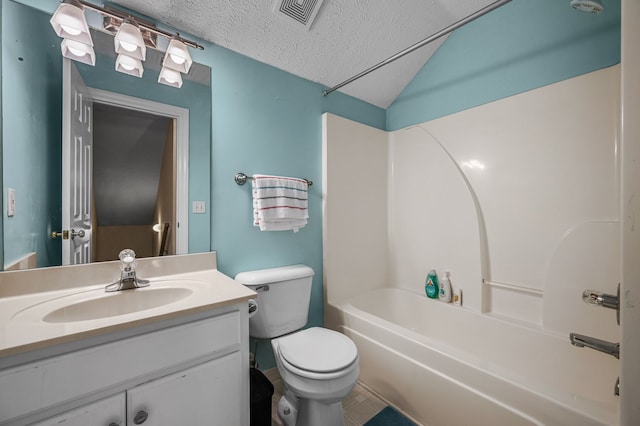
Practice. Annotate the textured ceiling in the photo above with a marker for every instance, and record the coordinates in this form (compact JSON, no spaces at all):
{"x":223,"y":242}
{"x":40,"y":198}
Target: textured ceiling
{"x":347,"y":36}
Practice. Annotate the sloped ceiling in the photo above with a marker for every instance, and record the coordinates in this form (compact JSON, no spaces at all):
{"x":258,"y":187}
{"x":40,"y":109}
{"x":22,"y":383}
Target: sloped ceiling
{"x":347,"y":36}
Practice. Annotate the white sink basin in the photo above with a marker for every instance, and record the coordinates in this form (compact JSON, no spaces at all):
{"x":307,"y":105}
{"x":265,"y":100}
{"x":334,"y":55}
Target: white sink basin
{"x":118,"y":303}
{"x":96,"y":304}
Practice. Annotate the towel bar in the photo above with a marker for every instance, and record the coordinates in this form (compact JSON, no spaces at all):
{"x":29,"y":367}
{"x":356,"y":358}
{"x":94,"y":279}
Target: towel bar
{"x":241,"y":179}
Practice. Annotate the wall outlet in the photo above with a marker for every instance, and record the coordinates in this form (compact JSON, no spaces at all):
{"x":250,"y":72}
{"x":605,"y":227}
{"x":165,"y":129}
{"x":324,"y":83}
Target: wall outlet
{"x":198,"y":207}
{"x":11,"y":202}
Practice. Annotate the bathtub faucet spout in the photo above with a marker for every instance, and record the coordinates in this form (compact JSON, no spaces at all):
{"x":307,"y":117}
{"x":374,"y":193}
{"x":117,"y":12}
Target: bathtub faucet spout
{"x":582,"y":341}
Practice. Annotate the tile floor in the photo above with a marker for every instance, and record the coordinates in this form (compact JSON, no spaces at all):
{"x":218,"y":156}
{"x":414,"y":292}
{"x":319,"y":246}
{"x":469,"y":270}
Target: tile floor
{"x":360,"y":406}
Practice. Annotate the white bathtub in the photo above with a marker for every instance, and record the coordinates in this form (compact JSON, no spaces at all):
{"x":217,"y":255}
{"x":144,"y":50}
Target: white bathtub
{"x":446,"y":365}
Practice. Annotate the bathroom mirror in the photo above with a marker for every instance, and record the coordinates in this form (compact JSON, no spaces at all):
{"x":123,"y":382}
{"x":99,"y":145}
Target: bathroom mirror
{"x":129,"y":172}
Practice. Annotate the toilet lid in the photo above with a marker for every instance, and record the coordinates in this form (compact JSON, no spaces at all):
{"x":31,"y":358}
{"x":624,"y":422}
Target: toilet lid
{"x":318,"y":350}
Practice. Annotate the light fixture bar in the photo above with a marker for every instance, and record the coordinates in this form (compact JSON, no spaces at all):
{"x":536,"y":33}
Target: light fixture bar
{"x":112,"y":25}
{"x":166,"y":34}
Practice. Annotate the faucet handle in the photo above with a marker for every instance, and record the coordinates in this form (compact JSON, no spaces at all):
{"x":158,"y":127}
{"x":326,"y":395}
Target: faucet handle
{"x":127,"y":257}
{"x":594,"y":297}
{"x":127,"y":263}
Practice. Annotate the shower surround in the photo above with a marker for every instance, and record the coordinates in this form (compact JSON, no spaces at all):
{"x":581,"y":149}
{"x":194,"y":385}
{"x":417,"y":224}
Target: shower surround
{"x":519,"y":200}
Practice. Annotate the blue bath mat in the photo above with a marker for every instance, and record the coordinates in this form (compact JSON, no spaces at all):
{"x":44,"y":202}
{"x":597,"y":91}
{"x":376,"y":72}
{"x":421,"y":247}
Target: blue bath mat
{"x":389,"y":416}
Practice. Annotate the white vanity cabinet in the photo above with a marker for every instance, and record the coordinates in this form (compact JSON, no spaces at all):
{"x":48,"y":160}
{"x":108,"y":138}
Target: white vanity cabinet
{"x":202,"y":395}
{"x":107,"y":412}
{"x":193,"y":373}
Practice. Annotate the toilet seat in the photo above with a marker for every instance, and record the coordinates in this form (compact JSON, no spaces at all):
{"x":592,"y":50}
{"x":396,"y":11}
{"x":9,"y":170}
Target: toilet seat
{"x":318,"y":350}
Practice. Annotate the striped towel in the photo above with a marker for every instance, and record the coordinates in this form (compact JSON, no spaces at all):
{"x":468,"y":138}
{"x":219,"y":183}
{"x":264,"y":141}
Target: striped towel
{"x":279,"y":203}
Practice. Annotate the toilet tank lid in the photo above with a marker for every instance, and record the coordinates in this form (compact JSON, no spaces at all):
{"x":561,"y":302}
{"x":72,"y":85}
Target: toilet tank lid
{"x":271,"y":275}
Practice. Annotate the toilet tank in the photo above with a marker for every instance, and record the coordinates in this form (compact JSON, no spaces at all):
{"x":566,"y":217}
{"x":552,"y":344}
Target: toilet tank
{"x":283,"y":299}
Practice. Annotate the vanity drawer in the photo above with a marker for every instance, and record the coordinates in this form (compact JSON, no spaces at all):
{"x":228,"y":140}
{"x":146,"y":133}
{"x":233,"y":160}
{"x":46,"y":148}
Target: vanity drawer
{"x":115,"y":365}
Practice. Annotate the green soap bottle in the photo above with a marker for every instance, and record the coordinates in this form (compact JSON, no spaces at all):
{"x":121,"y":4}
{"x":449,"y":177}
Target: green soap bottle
{"x":431,"y":284}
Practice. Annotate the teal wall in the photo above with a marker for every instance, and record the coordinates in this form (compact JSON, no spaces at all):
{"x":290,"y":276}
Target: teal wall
{"x":31,"y":165}
{"x":520,"y":46}
{"x":268,"y":121}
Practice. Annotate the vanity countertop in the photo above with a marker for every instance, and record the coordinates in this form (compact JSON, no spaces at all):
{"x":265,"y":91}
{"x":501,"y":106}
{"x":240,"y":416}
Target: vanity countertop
{"x":23,"y":329}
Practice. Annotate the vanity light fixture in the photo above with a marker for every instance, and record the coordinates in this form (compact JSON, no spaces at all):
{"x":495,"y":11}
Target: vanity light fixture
{"x":177,"y":56}
{"x":170,"y":77}
{"x":78,"y":51}
{"x":128,"y":40}
{"x":128,"y":65}
{"x":69,"y":22}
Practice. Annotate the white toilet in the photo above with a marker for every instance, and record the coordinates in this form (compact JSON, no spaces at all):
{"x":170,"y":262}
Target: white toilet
{"x":319,"y":367}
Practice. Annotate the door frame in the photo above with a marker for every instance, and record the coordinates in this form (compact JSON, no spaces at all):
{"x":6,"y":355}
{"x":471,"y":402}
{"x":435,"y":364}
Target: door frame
{"x":181,"y":115}
{"x":629,"y":207}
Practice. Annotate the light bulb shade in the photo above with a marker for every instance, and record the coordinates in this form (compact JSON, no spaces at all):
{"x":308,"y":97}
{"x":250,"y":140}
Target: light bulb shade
{"x":129,"y":41}
{"x":177,"y":56}
{"x":69,"y":22}
{"x":79,"y":52}
{"x":128,"y":65}
{"x":170,"y":77}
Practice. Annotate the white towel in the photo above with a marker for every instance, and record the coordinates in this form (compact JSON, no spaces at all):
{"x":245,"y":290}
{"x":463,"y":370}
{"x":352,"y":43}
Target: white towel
{"x":280,"y":203}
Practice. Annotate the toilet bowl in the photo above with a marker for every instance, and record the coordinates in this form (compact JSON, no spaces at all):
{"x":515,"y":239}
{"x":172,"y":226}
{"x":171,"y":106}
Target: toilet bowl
{"x":319,"y":367}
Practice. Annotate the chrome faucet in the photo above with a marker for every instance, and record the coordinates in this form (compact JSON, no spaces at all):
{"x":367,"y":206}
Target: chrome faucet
{"x":128,"y":279}
{"x":582,"y":341}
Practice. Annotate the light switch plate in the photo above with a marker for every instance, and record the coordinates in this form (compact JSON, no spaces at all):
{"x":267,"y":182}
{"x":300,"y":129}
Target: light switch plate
{"x":11,"y":202}
{"x":198,"y":207}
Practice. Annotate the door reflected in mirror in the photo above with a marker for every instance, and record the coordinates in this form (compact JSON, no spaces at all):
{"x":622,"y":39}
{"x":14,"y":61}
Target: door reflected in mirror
{"x":139,"y":187}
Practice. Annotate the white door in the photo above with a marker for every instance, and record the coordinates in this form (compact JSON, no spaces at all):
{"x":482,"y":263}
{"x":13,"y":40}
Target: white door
{"x":77,"y":160}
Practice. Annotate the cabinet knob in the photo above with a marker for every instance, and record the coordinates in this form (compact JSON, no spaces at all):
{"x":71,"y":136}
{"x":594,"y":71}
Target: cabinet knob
{"x":114,"y":424}
{"x":140,"y":417}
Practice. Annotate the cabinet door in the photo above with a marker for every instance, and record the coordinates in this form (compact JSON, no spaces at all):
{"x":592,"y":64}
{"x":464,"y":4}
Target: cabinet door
{"x":207,"y":394}
{"x":106,"y":412}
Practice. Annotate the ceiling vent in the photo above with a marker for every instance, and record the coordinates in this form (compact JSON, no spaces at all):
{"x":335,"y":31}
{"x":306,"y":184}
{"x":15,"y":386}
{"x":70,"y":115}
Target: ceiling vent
{"x":301,"y":11}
